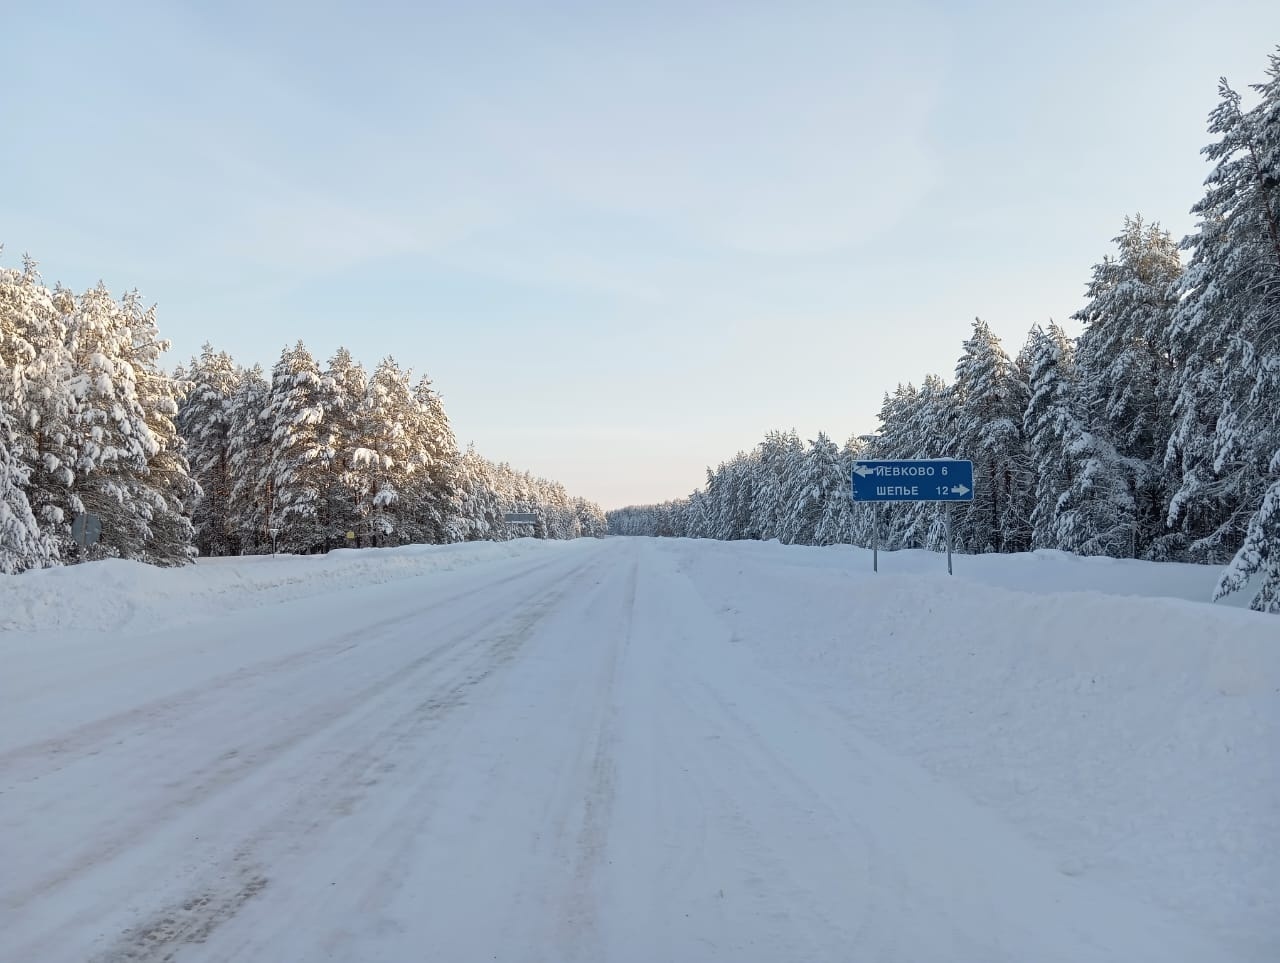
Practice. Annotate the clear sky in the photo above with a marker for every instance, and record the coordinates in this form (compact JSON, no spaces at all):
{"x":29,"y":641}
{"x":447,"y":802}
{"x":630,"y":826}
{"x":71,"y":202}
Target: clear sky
{"x":625,"y":240}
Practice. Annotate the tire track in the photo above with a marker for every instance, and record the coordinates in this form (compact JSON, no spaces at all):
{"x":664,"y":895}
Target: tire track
{"x":472,"y":654}
{"x":82,"y":739}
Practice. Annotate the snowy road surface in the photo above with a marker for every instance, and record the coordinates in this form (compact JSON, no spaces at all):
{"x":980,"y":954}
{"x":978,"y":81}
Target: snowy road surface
{"x":565,"y":755}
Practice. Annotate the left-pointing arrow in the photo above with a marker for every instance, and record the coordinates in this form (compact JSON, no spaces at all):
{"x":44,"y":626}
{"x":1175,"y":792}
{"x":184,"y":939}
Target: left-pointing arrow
{"x":862,"y":471}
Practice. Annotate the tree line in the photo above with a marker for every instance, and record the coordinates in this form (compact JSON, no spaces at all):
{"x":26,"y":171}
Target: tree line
{"x":220,"y":459}
{"x":1154,"y":434}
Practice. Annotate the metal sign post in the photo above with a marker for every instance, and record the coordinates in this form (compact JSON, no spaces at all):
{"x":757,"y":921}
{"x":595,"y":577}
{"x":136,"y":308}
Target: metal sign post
{"x":948,"y":539}
{"x":86,"y":529}
{"x":875,"y":538}
{"x":943,"y":480}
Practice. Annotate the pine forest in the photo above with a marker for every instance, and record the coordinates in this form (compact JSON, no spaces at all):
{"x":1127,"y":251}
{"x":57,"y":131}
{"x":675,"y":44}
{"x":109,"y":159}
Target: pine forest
{"x":218,"y":459}
{"x":1155,"y":434}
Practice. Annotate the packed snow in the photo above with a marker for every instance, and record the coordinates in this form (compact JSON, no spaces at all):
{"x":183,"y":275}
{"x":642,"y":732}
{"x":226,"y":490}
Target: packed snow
{"x":637,"y":750}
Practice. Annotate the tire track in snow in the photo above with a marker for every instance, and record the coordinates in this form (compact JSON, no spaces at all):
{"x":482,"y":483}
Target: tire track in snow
{"x":579,"y":932}
{"x":136,"y":721}
{"x":324,"y":793}
{"x":380,"y":881}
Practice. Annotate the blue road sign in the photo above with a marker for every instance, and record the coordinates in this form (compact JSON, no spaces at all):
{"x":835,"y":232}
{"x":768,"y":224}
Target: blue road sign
{"x":932,"y":480}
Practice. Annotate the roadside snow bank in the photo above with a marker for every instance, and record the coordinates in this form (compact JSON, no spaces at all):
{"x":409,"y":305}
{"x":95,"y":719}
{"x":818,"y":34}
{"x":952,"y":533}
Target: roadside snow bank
{"x":111,"y":595}
{"x":1135,"y":738}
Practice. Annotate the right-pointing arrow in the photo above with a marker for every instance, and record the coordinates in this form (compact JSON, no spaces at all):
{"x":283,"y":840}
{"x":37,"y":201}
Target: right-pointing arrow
{"x":959,"y":490}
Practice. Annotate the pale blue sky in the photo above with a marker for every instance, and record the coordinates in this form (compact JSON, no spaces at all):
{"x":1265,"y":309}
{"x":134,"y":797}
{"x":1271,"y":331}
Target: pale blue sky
{"x":624,"y":240}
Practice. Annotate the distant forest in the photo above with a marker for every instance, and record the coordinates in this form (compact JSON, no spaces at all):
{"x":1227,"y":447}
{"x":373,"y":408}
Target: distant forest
{"x":1154,"y":434}
{"x":219,"y":459}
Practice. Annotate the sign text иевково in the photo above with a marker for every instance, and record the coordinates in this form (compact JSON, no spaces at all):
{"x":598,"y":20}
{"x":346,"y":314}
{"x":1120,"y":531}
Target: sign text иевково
{"x":915,"y":480}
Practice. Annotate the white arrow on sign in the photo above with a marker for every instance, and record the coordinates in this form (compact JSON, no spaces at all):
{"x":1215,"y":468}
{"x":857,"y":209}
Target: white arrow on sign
{"x":959,"y":490}
{"x":862,"y":471}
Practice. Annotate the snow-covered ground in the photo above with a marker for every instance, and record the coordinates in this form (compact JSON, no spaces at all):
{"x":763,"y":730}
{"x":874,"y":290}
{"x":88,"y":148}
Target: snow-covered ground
{"x":637,"y":750}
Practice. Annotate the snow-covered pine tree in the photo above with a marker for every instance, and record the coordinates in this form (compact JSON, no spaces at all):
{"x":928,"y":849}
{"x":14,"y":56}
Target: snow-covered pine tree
{"x":204,"y":422}
{"x":343,"y":390}
{"x":1050,"y":425}
{"x":1124,"y":368}
{"x":163,"y":490}
{"x":558,"y":509}
{"x":715,"y":499}
{"x":1229,"y":330}
{"x":819,"y":490}
{"x":298,"y":465}
{"x":927,"y":430}
{"x":591,"y":520}
{"x":777,"y":459}
{"x":37,"y":391}
{"x":1220,"y":336}
{"x":129,"y":466}
{"x":387,"y":459}
{"x":22,"y":544}
{"x":109,"y":431}
{"x":252,"y":496}
{"x":743,"y":487}
{"x":990,"y":400}
{"x":695,"y":516}
{"x":894,"y":440}
{"x":436,"y":505}
{"x":1095,"y":515}
{"x":480,"y":509}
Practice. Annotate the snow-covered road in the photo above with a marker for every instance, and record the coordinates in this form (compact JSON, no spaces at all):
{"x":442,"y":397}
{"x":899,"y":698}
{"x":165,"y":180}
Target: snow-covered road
{"x":565,"y":755}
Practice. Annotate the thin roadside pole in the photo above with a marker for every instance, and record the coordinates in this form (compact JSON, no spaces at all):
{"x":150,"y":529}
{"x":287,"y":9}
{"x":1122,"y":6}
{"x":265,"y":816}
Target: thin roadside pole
{"x":875,"y":538}
{"x":949,"y":539}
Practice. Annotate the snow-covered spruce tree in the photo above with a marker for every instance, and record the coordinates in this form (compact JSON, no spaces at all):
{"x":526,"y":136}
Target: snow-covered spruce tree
{"x":927,"y":433}
{"x":480,"y":509}
{"x":744,"y":487}
{"x":343,"y":389}
{"x":36,"y":389}
{"x":204,"y":422}
{"x":388,"y":456}
{"x":591,"y":520}
{"x":1125,"y":370}
{"x":163,"y":491}
{"x":109,"y":433}
{"x":714,"y":495}
{"x":778,"y":459}
{"x":820,"y":503}
{"x":1224,"y":333}
{"x":299,"y":468}
{"x":1227,"y":342}
{"x":894,"y":440}
{"x":697,"y":519}
{"x":1050,"y":426}
{"x":22,"y":544}
{"x":129,"y":468}
{"x":990,"y":399}
{"x":436,"y":503}
{"x":252,"y":495}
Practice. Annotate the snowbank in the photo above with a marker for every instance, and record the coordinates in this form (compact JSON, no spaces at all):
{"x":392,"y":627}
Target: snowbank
{"x":112,"y":595}
{"x":1134,"y":737}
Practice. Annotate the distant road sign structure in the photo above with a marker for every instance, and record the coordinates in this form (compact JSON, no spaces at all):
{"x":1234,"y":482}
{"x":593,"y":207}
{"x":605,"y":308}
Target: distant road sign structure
{"x":86,"y":529}
{"x":520,"y":518}
{"x":912,"y":480}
